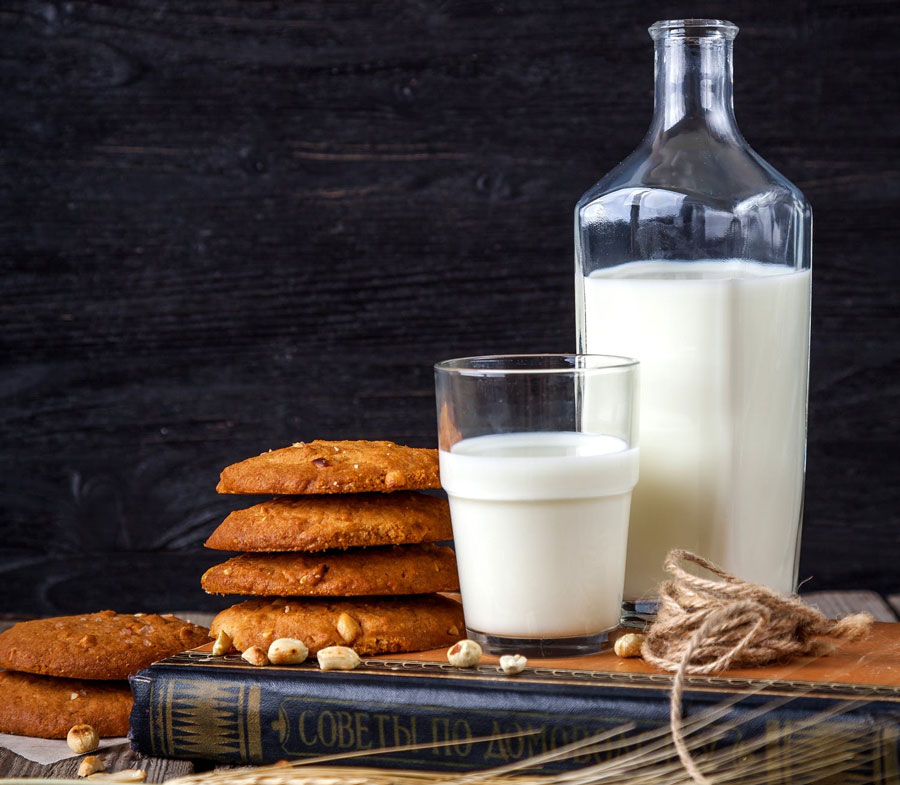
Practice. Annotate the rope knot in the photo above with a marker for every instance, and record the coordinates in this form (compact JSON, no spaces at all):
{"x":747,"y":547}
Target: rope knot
{"x":725,"y":622}
{"x":706,"y":625}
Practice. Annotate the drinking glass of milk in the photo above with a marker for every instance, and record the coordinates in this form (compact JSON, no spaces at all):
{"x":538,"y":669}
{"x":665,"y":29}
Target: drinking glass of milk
{"x":694,"y":255}
{"x":539,"y":455}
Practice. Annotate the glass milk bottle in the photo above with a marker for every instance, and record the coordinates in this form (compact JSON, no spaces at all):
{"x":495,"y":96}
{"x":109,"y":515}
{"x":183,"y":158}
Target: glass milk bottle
{"x":693,"y":256}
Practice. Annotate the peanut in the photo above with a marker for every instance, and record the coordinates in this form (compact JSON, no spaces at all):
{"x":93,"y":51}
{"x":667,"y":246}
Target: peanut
{"x":287,"y":651}
{"x":90,"y":764}
{"x":337,"y":658}
{"x":222,"y":644}
{"x":464,"y":654}
{"x":124,"y":775}
{"x":82,"y":738}
{"x":512,"y":664}
{"x":348,"y":627}
{"x":255,"y":656}
{"x":629,"y":645}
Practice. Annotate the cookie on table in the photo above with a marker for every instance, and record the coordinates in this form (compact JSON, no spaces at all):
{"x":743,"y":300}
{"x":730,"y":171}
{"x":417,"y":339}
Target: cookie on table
{"x":334,"y":467}
{"x":104,"y":645}
{"x":372,"y":625}
{"x":46,"y":706}
{"x":318,"y":523}
{"x":397,"y":569}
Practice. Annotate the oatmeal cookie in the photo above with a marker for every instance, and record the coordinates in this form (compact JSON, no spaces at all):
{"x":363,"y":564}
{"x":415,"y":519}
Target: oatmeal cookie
{"x":371,"y":625}
{"x":398,"y":569}
{"x":104,"y":645}
{"x":334,"y":467}
{"x":318,"y":523}
{"x":46,"y":706}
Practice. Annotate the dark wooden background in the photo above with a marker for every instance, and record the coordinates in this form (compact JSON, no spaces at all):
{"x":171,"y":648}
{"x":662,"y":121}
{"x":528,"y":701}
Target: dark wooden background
{"x":226,"y":226}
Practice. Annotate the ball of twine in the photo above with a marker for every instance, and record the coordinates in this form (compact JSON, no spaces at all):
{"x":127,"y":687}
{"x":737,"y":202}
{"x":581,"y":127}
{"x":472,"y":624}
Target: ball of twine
{"x":707,"y":625}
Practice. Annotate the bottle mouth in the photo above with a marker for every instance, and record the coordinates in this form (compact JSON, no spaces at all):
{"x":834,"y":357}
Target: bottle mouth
{"x":693,"y":29}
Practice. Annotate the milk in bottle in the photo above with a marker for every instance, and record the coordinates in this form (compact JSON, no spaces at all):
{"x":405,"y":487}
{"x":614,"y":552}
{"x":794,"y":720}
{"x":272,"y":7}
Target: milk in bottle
{"x":693,"y":256}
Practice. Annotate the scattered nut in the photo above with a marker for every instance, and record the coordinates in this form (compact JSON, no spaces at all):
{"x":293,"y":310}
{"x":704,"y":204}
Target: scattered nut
{"x":348,"y":627}
{"x":222,"y":644}
{"x":629,"y":645}
{"x":512,"y":664}
{"x":82,"y":738}
{"x":287,"y":651}
{"x":337,"y":658}
{"x":125,"y":775}
{"x":73,"y":696}
{"x":255,"y":656}
{"x":464,"y":654}
{"x":90,"y":764}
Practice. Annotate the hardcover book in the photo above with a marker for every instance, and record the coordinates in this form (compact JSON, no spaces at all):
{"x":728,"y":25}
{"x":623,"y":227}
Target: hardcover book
{"x":434,"y":716}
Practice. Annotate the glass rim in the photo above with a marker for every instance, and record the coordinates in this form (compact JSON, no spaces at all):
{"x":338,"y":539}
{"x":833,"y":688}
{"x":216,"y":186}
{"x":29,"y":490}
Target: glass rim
{"x":693,"y":28}
{"x":463,"y":365}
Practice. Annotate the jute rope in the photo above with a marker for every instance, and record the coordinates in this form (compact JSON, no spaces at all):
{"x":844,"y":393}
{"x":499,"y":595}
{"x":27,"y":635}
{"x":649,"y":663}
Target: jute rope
{"x":706,"y":625}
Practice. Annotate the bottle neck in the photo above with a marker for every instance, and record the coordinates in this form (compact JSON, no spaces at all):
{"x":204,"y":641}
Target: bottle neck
{"x":694,"y":86}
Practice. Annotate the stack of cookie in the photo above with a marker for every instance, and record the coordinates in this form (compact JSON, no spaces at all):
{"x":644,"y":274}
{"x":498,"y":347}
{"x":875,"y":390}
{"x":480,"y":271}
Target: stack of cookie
{"x":343,"y":556}
{"x":73,"y":670}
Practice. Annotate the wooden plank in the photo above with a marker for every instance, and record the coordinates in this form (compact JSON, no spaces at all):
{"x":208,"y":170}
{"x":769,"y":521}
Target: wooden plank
{"x":223,"y":231}
{"x":158,"y":769}
{"x":894,"y":601}
{"x":836,"y":604}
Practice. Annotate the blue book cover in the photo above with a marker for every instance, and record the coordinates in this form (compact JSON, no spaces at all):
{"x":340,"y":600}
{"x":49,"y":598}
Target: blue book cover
{"x":437,"y":717}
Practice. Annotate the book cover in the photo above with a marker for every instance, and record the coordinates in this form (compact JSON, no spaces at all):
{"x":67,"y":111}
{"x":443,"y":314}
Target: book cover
{"x":195,"y":705}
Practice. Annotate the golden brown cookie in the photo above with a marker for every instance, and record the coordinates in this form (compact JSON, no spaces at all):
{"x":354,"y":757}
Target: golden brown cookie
{"x":47,"y":707}
{"x":397,"y":569}
{"x":318,"y":523}
{"x":104,"y":645}
{"x":334,"y":467}
{"x":371,"y":625}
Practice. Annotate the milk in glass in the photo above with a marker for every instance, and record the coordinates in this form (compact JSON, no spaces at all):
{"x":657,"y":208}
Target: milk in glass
{"x":540,"y":522}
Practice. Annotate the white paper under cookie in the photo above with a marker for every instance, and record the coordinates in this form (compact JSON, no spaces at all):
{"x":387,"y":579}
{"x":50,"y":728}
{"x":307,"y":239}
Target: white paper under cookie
{"x":46,"y":751}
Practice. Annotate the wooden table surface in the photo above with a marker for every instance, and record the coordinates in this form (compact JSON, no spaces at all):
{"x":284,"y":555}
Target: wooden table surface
{"x":833,"y":604}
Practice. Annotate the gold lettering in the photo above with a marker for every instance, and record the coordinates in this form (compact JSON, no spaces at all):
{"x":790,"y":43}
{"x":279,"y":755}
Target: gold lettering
{"x":301,"y":723}
{"x":440,"y":731}
{"x":496,"y":749}
{"x":327,"y":728}
{"x":345,"y":729}
{"x":362,"y":731}
{"x":404,"y":735}
{"x":579,"y":733}
{"x":461,"y":731}
{"x":537,"y":743}
{"x":381,"y":719}
{"x":558,"y":737}
{"x":515,"y":746}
